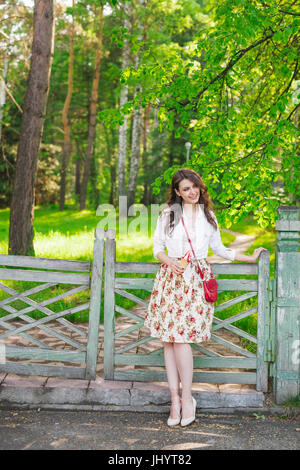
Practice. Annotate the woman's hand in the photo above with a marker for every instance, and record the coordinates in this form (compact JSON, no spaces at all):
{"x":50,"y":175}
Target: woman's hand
{"x":252,"y":258}
{"x":174,"y":264}
{"x":176,"y":267}
{"x":257,"y":252}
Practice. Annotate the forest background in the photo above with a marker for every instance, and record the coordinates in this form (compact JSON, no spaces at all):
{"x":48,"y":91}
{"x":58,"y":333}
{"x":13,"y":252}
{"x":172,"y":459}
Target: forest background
{"x":138,"y":89}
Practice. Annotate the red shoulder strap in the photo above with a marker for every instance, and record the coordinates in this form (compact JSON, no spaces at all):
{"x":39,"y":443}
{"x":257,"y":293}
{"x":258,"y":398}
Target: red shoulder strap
{"x":200,"y":272}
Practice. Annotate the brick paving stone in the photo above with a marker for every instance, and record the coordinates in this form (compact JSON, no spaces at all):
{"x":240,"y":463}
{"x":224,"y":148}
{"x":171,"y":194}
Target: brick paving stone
{"x":150,"y":386}
{"x":66,"y":383}
{"x":110,"y":384}
{"x":23,"y":381}
{"x":204,"y":387}
{"x":235,"y":388}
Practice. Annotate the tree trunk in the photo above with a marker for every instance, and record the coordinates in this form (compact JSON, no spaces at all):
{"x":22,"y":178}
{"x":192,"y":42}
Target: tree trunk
{"x":77,"y":175}
{"x":2,"y":86}
{"x":93,"y":114}
{"x":111,"y":147}
{"x":95,"y":195}
{"x":123,"y":100}
{"x":135,"y":153}
{"x":22,"y":205}
{"x":145,"y":198}
{"x":113,"y":183}
{"x":136,"y":134}
{"x":172,"y":147}
{"x":67,"y":147}
{"x":78,"y":165}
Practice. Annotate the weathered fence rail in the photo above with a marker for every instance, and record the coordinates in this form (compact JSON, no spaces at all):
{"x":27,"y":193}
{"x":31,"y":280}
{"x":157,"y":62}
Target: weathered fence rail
{"x":115,"y":356}
{"x":71,"y":276}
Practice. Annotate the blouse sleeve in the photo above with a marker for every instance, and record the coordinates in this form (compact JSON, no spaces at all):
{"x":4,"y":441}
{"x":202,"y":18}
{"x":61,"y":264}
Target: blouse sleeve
{"x":215,"y":243}
{"x":159,"y":237}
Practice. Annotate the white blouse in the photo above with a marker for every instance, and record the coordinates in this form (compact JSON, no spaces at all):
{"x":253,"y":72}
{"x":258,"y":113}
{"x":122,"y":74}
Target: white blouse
{"x":203,"y":236}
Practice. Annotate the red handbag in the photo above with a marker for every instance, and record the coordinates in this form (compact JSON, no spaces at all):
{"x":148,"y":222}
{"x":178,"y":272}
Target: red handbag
{"x":210,"y":286}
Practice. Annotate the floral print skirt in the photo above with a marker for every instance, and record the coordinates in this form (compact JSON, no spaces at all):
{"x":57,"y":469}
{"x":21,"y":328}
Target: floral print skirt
{"x":178,"y":311}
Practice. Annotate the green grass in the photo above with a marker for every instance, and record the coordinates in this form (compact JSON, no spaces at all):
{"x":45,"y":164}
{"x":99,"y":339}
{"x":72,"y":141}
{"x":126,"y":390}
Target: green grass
{"x":61,"y":235}
{"x":70,"y":234}
{"x":293,"y":403}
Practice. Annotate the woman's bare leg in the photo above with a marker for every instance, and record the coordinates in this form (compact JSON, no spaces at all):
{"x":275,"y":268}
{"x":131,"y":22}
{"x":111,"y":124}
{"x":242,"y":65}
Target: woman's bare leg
{"x":173,"y":378}
{"x":184,"y":362}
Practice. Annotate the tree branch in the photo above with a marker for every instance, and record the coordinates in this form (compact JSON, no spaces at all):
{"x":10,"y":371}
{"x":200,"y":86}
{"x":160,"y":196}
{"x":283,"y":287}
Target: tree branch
{"x":291,"y":80}
{"x":9,"y":127}
{"x":4,"y":34}
{"x":296,"y":107}
{"x":11,"y":96}
{"x":233,"y":61}
{"x":289,"y":13}
{"x":228,"y":164}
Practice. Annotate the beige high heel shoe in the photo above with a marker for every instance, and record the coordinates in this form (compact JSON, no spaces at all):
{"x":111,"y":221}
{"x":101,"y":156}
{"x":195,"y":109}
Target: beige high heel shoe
{"x":175,"y":421}
{"x":187,"y":421}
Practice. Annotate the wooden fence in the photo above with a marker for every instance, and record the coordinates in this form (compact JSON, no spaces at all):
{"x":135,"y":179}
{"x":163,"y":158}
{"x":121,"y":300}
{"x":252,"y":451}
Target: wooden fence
{"x":143,"y":366}
{"x":276,"y":343}
{"x":25,"y":315}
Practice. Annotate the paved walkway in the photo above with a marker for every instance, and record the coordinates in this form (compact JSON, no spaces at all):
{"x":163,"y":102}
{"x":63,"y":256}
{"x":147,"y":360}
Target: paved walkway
{"x":55,"y":430}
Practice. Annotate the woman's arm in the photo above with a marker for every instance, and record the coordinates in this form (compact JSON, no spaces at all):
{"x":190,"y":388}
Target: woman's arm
{"x":218,"y":248}
{"x":252,"y":258}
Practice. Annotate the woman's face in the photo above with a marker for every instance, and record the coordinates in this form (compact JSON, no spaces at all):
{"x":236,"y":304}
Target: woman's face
{"x":189,"y":191}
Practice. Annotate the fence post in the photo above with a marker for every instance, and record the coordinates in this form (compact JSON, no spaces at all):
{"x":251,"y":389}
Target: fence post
{"x":95,"y":303}
{"x":286,"y":371}
{"x":262,"y":320}
{"x":109,"y":303}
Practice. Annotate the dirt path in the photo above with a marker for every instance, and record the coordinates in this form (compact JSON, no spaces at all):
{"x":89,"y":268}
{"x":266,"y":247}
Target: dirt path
{"x":241,"y":243}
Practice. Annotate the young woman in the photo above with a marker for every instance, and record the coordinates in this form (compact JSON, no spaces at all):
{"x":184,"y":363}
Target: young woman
{"x":178,"y":312}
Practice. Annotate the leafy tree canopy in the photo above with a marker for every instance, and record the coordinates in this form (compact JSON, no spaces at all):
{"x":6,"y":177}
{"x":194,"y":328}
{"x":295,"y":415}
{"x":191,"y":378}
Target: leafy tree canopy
{"x":234,"y":88}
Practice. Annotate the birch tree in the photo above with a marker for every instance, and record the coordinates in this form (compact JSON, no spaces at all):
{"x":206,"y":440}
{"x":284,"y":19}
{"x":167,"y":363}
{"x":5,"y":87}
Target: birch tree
{"x":3,"y":81}
{"x":136,"y":123}
{"x":92,"y":110}
{"x":67,"y":145}
{"x":123,"y":100}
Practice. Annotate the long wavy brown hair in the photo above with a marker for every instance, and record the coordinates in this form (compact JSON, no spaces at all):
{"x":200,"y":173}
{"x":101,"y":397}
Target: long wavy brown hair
{"x":173,"y":199}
